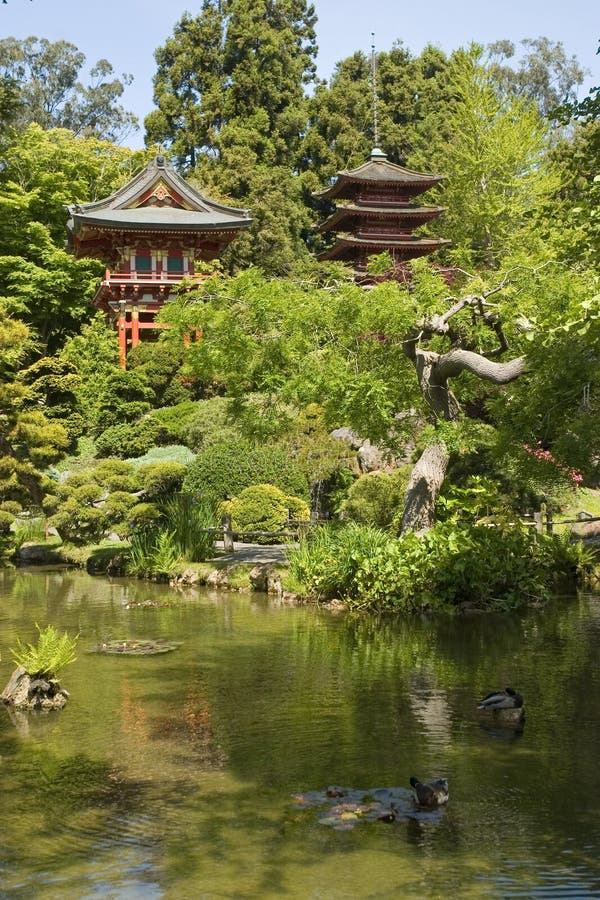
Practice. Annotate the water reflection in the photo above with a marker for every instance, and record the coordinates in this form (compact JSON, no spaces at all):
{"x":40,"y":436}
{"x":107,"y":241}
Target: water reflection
{"x":173,"y":776}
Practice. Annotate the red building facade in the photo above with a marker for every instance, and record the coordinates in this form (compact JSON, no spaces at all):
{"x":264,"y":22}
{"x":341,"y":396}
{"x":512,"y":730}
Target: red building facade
{"x":151,"y":233}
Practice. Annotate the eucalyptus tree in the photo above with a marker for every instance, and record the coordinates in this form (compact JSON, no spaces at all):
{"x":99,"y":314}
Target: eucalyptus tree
{"x":50,"y":93}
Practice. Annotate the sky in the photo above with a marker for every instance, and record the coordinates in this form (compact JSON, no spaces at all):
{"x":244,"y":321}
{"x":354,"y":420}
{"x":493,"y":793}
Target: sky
{"x":126,"y":32}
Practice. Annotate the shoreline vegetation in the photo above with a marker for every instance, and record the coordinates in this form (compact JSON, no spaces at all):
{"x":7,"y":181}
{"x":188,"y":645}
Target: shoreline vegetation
{"x":359,"y":567}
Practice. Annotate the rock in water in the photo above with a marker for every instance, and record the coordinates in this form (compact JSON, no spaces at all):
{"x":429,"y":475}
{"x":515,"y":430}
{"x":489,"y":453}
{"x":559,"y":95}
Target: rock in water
{"x":25,"y":691}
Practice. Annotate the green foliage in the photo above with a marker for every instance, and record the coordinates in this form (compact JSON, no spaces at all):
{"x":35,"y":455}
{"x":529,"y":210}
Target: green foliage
{"x":6,"y":520}
{"x":376,"y":498}
{"x":328,"y":559}
{"x":52,"y":95}
{"x":494,"y":162}
{"x":479,"y":497}
{"x":143,"y":516}
{"x":153,"y":553}
{"x":211,"y":422}
{"x":176,"y":422}
{"x":160,"y":479}
{"x":161,"y":364}
{"x":128,"y":440}
{"x":189,"y":521}
{"x":226,"y":469}
{"x":264,"y":507}
{"x":174,"y":453}
{"x":51,"y":653}
{"x":123,"y":398}
{"x":78,"y":522}
{"x":485,"y":567}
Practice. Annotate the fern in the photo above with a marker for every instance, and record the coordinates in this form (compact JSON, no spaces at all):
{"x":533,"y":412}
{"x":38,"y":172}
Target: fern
{"x":51,"y":654}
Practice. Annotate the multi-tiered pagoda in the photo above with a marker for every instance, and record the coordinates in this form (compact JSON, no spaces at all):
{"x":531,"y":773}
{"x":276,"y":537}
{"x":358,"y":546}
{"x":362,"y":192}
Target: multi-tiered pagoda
{"x":151,"y":233}
{"x":379,"y":212}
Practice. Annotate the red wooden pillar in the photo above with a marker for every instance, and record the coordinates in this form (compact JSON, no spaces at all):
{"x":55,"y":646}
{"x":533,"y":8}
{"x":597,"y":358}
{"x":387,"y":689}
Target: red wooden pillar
{"x":122,"y":327}
{"x":135,"y":326}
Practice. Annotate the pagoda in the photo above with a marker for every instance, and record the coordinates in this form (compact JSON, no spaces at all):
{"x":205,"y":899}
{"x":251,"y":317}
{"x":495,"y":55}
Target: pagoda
{"x":379,"y":213}
{"x":151,"y":233}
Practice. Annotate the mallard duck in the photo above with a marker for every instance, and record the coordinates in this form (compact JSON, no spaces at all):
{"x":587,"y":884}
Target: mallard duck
{"x":506,"y":699}
{"x":431,"y":793}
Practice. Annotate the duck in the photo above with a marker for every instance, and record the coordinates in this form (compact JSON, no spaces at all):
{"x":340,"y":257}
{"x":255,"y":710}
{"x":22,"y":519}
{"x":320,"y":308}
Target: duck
{"x":430,"y":794}
{"x":503,"y":699}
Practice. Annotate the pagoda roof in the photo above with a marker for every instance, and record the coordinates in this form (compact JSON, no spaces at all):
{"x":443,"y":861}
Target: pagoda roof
{"x":395,"y":211}
{"x":377,"y":171}
{"x":347,"y":245}
{"x":157,"y":198}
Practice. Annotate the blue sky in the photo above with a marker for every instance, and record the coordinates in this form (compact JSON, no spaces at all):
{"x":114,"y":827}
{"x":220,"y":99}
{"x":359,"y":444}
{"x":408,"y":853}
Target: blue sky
{"x":126,"y":32}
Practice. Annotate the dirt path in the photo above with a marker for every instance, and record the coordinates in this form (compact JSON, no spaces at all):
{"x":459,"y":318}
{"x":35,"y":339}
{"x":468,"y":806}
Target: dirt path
{"x":252,"y":554}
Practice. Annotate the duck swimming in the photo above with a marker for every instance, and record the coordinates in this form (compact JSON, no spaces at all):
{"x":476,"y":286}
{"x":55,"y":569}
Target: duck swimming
{"x":430,"y":794}
{"x":506,"y":699}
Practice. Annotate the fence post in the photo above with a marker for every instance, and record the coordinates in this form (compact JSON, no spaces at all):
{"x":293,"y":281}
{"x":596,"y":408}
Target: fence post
{"x":538,"y":518}
{"x":227,"y":534}
{"x":549,"y":523}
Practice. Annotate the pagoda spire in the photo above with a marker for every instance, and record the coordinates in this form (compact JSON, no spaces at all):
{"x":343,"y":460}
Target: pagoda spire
{"x":374,"y":89}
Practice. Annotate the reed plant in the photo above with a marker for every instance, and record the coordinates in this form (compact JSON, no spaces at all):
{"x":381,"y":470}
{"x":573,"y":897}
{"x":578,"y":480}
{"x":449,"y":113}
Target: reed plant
{"x":191,"y":520}
{"x":154,"y":553}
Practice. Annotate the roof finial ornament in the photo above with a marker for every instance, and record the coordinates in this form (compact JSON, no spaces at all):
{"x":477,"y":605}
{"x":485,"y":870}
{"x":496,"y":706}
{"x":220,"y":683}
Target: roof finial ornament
{"x":376,"y":153}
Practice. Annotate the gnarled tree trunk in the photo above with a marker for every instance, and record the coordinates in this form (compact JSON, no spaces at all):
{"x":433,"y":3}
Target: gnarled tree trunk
{"x":433,"y":371}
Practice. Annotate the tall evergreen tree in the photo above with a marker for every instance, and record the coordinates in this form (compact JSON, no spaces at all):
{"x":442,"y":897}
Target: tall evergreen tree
{"x":230,"y":90}
{"x":188,"y":87}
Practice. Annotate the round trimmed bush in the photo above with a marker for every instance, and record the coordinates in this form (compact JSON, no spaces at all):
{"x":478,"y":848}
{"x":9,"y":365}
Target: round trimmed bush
{"x":128,"y":440}
{"x":263,"y":507}
{"x":160,"y":479}
{"x":143,"y":515}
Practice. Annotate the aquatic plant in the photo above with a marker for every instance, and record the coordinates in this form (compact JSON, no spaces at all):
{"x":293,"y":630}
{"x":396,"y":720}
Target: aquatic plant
{"x":154,"y":553}
{"x":190,"y":520}
{"x":52,"y":653}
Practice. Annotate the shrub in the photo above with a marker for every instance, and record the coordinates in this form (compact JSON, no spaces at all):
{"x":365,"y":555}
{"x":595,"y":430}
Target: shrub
{"x":328,"y":559}
{"x":11,"y":506}
{"x":376,"y":498}
{"x":77,"y":523}
{"x":160,"y":479}
{"x":171,"y":453}
{"x":210,"y":424}
{"x":143,"y":515}
{"x":127,"y":440}
{"x":6,"y":520}
{"x":263,"y":507}
{"x":477,"y":565}
{"x":118,"y":505}
{"x":224,"y":470}
{"x":51,"y":654}
{"x":174,"y":421}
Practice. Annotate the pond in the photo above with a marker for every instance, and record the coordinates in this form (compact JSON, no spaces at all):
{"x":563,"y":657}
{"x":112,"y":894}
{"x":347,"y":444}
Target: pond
{"x":175,"y":775}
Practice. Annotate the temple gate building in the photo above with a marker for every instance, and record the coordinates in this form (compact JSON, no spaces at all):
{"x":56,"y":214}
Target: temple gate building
{"x":151,"y":233}
{"x":379,"y":213}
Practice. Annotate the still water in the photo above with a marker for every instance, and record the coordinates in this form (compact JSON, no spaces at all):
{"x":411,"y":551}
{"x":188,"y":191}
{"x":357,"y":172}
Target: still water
{"x":173,"y":776}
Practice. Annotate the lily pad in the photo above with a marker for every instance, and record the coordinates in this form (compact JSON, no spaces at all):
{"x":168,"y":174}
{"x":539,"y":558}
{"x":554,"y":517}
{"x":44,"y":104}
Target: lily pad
{"x":135,"y":648}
